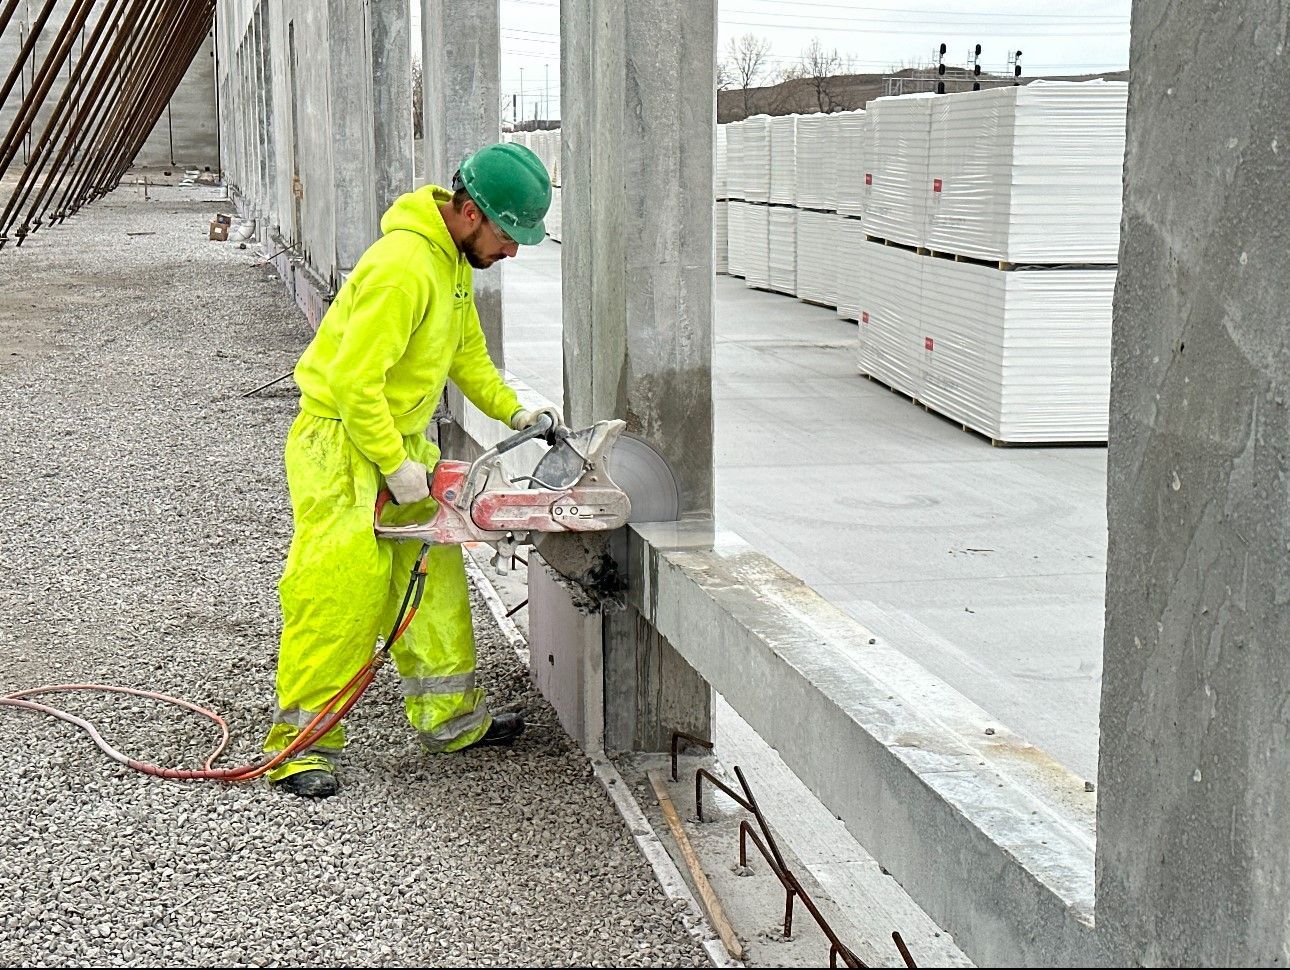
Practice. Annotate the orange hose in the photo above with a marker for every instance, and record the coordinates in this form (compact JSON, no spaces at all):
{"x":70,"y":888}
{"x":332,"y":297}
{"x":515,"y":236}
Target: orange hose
{"x":340,"y":704}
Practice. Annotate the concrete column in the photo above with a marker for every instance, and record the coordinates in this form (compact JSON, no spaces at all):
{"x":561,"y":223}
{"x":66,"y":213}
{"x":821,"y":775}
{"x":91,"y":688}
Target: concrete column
{"x":353,"y":168}
{"x":268,"y":127}
{"x":1194,"y":805}
{"x":461,"y":57}
{"x":260,"y":133}
{"x":391,"y":25}
{"x":638,"y":133}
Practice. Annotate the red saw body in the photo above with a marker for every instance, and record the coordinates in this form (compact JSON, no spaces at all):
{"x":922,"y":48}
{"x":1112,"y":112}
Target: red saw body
{"x":572,"y":491}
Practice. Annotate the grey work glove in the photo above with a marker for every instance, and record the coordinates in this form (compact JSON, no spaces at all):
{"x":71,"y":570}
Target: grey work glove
{"x":409,"y":483}
{"x":523,"y":420}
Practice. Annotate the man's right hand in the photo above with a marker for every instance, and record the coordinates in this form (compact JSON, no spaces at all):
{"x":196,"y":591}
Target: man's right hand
{"x":525,"y":419}
{"x":409,"y":483}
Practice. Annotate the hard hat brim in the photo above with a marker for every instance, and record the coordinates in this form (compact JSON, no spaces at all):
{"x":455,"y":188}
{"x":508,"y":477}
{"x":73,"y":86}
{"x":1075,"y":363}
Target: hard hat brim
{"x":526,"y":235}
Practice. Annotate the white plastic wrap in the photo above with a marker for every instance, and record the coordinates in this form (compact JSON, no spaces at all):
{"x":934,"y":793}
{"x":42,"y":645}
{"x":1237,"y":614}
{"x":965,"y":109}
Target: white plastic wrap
{"x":757,"y":240}
{"x":850,"y":237}
{"x":736,"y":153}
{"x":546,"y":146}
{"x":555,"y":216}
{"x":1020,"y":356}
{"x":1029,"y":174}
{"x":782,"y":254}
{"x":817,"y":162}
{"x":720,"y":170}
{"x":851,"y":152}
{"x":783,"y":159}
{"x":737,"y":238}
{"x":890,"y":311}
{"x":900,"y":189}
{"x":818,"y":248}
{"x":721,"y":237}
{"x":756,"y":158}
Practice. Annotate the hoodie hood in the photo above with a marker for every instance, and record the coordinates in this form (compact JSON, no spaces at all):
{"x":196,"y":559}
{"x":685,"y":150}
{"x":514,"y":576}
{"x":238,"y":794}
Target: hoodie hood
{"x":419,"y":212}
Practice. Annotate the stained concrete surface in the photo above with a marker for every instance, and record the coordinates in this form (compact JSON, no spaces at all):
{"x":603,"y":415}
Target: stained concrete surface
{"x":986,"y":565}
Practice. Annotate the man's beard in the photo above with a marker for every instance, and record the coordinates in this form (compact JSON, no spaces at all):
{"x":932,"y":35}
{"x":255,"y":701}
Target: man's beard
{"x":470,"y":248}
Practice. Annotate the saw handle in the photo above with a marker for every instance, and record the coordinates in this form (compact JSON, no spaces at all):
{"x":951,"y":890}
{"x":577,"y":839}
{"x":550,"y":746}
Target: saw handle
{"x":542,"y":426}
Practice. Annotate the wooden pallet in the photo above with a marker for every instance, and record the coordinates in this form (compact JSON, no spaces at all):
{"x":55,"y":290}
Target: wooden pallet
{"x":994,"y":442}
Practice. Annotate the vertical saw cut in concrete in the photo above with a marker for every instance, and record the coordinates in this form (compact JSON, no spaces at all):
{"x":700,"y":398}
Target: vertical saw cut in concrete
{"x":652,"y":487}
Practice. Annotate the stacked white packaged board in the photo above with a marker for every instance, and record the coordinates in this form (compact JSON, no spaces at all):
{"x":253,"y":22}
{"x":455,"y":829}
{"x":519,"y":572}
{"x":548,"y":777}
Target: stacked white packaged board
{"x":818,"y":246}
{"x":736,"y":153}
{"x":850,"y":236}
{"x":737,"y":237}
{"x":555,"y":216}
{"x":899,"y":186}
{"x":782,"y":249}
{"x":783,"y":160}
{"x":756,"y":158}
{"x":890,"y":299}
{"x":757,"y":242}
{"x":817,"y":161}
{"x":720,"y":159}
{"x":1029,"y":174}
{"x":1019,"y":356}
{"x":851,"y":159}
{"x":721,"y":236}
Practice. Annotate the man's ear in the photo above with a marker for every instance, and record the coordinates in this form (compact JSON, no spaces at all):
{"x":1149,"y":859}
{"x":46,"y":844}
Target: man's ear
{"x":470,"y":211}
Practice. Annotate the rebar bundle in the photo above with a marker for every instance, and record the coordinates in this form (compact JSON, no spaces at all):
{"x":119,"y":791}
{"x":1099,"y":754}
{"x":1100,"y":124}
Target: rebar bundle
{"x":120,"y":76}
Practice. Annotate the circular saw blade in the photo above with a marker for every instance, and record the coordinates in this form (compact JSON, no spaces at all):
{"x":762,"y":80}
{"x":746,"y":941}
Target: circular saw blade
{"x":651,"y":485}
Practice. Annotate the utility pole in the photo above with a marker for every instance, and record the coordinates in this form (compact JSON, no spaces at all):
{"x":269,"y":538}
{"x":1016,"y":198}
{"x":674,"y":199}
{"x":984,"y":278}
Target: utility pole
{"x":546,"y":94}
{"x":519,"y":117}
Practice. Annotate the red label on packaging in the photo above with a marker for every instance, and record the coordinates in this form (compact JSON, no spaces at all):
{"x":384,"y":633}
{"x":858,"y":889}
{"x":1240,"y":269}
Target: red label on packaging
{"x":864,"y":317}
{"x":868,"y":178}
{"x":927,"y":342}
{"x":936,"y":185}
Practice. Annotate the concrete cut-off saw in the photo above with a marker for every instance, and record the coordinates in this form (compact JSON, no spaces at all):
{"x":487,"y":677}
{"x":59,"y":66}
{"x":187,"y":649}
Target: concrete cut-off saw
{"x":590,"y":483}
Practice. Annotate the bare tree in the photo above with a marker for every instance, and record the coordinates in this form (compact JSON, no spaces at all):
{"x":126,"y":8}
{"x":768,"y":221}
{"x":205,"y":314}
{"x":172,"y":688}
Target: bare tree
{"x":417,"y":96}
{"x":820,"y":67}
{"x":746,"y":63}
{"x":725,"y":79}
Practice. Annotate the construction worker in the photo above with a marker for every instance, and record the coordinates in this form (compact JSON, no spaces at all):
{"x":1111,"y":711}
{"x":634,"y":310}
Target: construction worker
{"x":402,"y":325}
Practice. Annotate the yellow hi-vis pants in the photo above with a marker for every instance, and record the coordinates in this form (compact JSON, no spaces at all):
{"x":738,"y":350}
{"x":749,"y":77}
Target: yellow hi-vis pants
{"x":341,"y":591}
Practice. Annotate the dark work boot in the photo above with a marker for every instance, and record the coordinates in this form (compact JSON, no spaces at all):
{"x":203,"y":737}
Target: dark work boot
{"x":315,"y":783}
{"x":501,"y":733}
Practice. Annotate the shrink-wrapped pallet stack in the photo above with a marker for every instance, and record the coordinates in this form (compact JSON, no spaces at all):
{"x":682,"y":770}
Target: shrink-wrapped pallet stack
{"x":1028,"y":174}
{"x":851,"y":153}
{"x":972,"y":236}
{"x":851,"y":241}
{"x":1018,"y":244}
{"x":782,"y":217}
{"x":736,"y":194}
{"x":720,"y":207}
{"x":896,"y":160}
{"x":816,"y":158}
{"x":818,"y":263}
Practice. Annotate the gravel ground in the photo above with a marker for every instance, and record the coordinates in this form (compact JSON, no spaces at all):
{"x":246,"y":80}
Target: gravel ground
{"x":146,"y":523}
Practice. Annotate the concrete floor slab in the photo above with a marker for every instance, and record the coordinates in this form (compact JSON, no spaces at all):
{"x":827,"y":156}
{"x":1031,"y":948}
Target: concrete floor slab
{"x":985,"y":564}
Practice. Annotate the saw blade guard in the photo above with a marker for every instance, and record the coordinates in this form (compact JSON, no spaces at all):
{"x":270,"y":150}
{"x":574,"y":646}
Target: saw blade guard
{"x":606,"y":455}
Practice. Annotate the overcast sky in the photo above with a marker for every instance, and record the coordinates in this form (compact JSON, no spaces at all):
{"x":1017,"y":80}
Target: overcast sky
{"x":1078,"y":37}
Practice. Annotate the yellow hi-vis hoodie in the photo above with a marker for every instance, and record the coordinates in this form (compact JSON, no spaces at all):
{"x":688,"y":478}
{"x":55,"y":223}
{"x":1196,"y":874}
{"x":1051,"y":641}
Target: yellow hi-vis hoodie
{"x":402,"y":325}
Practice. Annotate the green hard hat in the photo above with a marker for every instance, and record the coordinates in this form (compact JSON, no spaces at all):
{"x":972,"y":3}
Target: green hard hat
{"x":511,"y":186}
